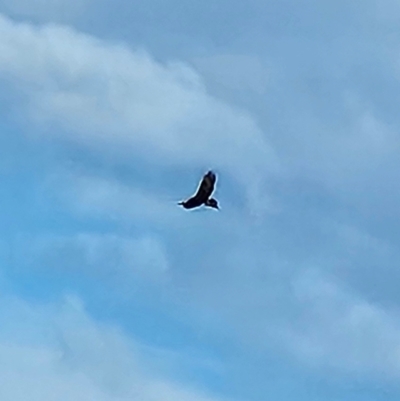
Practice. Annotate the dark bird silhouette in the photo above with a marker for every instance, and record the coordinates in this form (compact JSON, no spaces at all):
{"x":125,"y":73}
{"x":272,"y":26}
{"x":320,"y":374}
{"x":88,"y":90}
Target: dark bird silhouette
{"x":203,"y":194}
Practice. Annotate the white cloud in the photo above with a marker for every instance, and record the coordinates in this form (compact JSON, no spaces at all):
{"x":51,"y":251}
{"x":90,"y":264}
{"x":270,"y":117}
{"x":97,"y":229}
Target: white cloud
{"x":241,"y":288}
{"x":275,"y":306}
{"x":107,"y":198}
{"x":338,"y":329}
{"x":118,"y":258}
{"x":350,"y":159}
{"x":351,"y":155}
{"x":52,"y":353}
{"x":113,"y":99}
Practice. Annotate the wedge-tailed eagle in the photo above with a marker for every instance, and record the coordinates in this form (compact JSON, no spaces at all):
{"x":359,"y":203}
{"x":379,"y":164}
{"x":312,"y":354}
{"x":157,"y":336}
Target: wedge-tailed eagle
{"x":203,"y":194}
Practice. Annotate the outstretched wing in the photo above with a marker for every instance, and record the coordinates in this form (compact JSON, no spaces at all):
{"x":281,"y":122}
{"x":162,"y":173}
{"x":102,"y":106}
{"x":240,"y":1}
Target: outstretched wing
{"x":191,"y":203}
{"x":206,"y":187}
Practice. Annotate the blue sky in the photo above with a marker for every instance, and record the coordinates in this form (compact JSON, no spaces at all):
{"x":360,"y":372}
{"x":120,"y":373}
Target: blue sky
{"x":110,"y":113}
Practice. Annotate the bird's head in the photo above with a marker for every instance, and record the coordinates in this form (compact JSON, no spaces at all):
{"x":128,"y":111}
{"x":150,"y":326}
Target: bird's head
{"x":212,"y":203}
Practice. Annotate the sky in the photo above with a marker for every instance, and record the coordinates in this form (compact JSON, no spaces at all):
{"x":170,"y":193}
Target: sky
{"x":111,"y":111}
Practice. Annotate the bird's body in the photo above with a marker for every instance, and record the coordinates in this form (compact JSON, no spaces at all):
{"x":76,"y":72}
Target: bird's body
{"x":203,"y":194}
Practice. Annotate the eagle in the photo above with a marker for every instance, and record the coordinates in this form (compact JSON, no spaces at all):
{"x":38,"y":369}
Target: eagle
{"x":203,"y":194}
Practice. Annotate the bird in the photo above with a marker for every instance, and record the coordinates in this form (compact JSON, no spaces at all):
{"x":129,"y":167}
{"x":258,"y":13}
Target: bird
{"x":203,"y":194}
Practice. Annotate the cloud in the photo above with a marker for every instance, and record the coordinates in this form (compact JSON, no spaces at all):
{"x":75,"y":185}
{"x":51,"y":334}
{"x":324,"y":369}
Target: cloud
{"x":144,"y":254}
{"x":344,"y":155}
{"x":106,"y":97}
{"x":124,"y":104}
{"x":338,"y":329}
{"x":60,"y":352}
{"x":240,"y":282}
{"x":109,"y":199}
{"x":301,"y":309}
{"x":123,"y":264}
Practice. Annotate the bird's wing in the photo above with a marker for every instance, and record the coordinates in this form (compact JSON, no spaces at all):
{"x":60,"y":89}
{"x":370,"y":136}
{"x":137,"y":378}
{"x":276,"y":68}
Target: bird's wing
{"x":206,"y":186}
{"x":193,"y":202}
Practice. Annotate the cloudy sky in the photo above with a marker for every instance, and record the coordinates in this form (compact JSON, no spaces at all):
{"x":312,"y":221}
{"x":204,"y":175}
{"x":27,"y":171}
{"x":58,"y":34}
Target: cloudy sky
{"x":111,"y":111}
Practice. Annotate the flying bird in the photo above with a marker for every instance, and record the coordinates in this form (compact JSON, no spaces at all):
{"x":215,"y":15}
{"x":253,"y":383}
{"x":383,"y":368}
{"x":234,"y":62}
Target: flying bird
{"x":203,"y":194}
